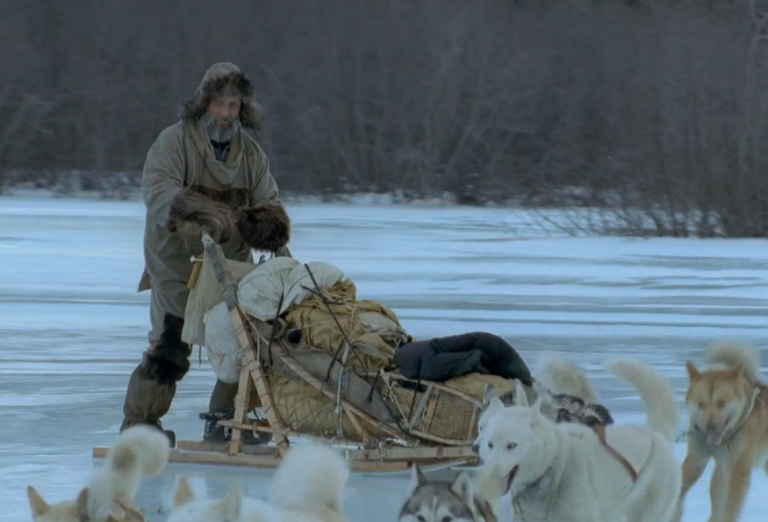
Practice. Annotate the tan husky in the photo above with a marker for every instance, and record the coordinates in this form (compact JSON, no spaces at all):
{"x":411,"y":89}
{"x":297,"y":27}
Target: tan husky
{"x":728,"y":422}
{"x":141,"y":452}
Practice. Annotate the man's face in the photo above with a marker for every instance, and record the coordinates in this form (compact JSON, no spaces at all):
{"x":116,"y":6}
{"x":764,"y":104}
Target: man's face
{"x":224,"y":112}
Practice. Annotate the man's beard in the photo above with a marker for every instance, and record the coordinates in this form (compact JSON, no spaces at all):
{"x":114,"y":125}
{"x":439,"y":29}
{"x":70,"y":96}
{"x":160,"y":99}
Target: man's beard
{"x":218,"y":134}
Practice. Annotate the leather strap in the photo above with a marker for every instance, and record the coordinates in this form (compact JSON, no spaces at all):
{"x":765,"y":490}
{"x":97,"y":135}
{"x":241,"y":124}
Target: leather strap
{"x":618,"y":456}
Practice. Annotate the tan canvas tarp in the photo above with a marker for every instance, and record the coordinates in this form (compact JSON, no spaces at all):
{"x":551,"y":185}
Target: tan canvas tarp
{"x":372,"y":328}
{"x":206,"y":294}
{"x":280,"y":283}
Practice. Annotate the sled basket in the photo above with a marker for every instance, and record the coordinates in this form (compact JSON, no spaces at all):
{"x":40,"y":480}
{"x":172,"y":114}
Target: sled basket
{"x":311,"y":400}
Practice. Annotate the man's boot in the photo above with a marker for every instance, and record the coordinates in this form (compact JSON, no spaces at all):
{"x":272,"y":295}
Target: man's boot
{"x":222,"y":406}
{"x":146,"y":402}
{"x":152,"y":385}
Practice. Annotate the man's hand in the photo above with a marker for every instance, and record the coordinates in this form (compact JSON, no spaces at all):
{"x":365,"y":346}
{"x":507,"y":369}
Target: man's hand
{"x":265,"y":226}
{"x":191,"y":213}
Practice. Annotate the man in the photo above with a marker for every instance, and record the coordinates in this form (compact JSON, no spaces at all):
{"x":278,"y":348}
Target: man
{"x":203,"y":173}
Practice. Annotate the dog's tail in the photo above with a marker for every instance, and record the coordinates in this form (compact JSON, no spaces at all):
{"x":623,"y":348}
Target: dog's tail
{"x":140,"y":453}
{"x":655,"y":392}
{"x":311,"y":476}
{"x":733,"y":354}
{"x":563,"y":377}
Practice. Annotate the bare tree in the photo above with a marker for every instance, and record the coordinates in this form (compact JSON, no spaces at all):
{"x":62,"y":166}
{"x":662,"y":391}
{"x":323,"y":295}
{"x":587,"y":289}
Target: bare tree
{"x":648,"y":115}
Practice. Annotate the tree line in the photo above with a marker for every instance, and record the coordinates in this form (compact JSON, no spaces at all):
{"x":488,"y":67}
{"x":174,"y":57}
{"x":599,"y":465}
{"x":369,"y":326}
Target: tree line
{"x":649,"y":113}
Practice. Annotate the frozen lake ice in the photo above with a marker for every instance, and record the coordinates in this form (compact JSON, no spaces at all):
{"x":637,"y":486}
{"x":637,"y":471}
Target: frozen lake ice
{"x":72,"y":326}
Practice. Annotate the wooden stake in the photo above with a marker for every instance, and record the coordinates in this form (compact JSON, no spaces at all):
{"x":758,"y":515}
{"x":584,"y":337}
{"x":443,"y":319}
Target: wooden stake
{"x":241,"y":409}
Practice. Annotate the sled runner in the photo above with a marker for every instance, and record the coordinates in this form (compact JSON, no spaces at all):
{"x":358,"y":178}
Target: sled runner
{"x":315,"y":361}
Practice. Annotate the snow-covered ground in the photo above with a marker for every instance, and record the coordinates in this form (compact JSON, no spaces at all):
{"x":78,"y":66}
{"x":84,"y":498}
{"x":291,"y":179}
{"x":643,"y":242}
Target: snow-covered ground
{"x":72,"y":326}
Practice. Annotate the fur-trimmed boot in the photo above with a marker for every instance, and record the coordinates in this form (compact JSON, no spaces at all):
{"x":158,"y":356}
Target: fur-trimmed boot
{"x":222,"y":406}
{"x":152,"y":385}
{"x":146,"y":402}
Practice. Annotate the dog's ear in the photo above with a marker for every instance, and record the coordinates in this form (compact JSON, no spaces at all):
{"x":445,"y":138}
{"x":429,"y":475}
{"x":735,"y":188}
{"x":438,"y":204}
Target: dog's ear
{"x":693,"y":373}
{"x":130,"y":512}
{"x":490,"y":393}
{"x":230,"y":507}
{"x":117,"y":515}
{"x":183,"y":492}
{"x":418,"y":478}
{"x":37,"y":503}
{"x":82,"y":503}
{"x":737,"y":372}
{"x":495,"y":406}
{"x":462,"y":487}
{"x":123,"y":511}
{"x":521,"y":398}
{"x":536,"y":411}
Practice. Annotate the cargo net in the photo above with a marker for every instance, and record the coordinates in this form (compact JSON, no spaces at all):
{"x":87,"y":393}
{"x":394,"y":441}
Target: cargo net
{"x":309,"y":402}
{"x":424,"y":415}
{"x":302,"y":408}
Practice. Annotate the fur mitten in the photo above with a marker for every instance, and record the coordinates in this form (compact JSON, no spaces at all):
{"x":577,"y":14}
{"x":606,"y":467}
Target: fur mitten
{"x":265,"y":226}
{"x":191,"y":213}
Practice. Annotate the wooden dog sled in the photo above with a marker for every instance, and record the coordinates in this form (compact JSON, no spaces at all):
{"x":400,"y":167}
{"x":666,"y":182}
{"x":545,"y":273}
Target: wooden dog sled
{"x":384,"y":421}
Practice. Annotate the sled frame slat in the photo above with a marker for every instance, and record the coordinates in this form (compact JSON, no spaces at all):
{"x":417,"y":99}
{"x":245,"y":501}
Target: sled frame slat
{"x":264,"y":460}
{"x":216,"y":256}
{"x":244,"y":388}
{"x":255,"y":370}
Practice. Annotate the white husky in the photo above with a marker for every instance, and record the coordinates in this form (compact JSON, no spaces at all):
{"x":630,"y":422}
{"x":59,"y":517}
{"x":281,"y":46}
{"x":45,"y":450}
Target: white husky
{"x":565,"y":473}
{"x":307,"y":487}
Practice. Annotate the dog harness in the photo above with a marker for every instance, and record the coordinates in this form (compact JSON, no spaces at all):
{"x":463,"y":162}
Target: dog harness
{"x":517,"y":509}
{"x":758,"y":389}
{"x":618,"y":456}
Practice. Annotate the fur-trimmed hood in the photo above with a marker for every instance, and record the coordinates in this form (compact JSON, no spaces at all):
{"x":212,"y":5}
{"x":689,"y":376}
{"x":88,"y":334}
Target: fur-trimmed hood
{"x":220,"y":79}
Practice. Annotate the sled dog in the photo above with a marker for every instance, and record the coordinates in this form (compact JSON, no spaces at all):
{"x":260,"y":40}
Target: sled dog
{"x":308,"y":486}
{"x":567,"y":395}
{"x":140,"y":453}
{"x":728,"y":423}
{"x":436,"y":501}
{"x":569,"y":472}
